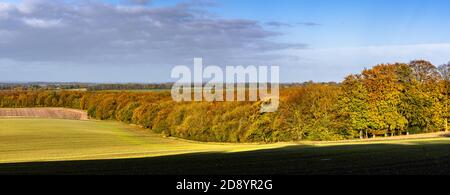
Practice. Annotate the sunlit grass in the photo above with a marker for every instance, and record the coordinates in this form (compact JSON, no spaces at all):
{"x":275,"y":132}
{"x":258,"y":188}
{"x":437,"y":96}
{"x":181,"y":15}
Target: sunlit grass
{"x":31,"y":140}
{"x":28,"y":140}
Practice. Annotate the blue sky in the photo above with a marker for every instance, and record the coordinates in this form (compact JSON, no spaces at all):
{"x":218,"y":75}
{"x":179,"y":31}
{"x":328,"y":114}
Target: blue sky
{"x":321,"y":40}
{"x":348,"y":22}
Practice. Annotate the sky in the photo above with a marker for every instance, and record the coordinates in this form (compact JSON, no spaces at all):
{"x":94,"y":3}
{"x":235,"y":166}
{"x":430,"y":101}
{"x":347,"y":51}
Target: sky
{"x":142,"y":40}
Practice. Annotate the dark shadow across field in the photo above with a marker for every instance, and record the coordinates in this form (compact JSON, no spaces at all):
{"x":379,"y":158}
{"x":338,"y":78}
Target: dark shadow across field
{"x":370,"y":159}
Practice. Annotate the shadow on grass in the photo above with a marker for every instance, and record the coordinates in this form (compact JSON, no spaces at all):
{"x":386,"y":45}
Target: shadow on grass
{"x":370,"y":159}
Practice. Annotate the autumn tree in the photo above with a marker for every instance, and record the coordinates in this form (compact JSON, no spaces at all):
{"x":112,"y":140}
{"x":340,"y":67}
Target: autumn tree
{"x":354,"y":105}
{"x":384,"y":98}
{"x":444,"y":71}
{"x":422,"y":98}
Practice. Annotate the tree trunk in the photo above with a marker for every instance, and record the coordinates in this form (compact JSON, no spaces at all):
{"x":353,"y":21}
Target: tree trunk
{"x":446,"y":125}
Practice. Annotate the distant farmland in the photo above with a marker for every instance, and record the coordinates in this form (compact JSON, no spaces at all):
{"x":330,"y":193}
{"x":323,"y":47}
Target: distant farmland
{"x":55,"y":113}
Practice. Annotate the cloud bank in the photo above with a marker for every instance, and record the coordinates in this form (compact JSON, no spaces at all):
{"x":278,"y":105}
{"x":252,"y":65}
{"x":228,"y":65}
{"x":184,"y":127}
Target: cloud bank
{"x":91,"y":41}
{"x":92,"y":34}
{"x":333,"y":64}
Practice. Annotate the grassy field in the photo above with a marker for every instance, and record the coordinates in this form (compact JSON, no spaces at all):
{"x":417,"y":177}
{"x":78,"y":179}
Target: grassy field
{"x":52,"y":146}
{"x":25,"y":140}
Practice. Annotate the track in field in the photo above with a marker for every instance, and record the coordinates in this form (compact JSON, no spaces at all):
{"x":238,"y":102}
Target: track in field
{"x":56,"y":113}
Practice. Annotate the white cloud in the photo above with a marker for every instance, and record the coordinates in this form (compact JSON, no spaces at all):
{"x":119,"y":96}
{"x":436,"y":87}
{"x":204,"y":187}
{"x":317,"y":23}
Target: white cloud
{"x":91,"y":35}
{"x":90,"y":31}
{"x":42,"y":23}
{"x":28,"y":6}
{"x":335,"y":63}
{"x":95,"y":41}
{"x":5,"y":8}
{"x":374,"y":54}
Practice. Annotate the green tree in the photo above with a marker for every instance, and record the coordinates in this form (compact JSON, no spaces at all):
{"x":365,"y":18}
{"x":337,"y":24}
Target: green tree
{"x":354,"y":106}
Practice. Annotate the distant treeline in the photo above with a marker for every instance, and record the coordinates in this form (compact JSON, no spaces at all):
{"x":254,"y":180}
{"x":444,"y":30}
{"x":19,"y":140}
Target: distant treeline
{"x":83,"y":86}
{"x":108,"y":86}
{"x":43,"y":85}
{"x":388,"y":99}
{"x":129,"y":86}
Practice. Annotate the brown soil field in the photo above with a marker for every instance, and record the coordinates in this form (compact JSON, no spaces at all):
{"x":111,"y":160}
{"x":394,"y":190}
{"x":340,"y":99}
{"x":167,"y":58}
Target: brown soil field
{"x":56,"y":113}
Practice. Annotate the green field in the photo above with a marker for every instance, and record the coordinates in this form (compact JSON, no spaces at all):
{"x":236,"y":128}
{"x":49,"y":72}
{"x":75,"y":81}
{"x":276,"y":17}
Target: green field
{"x":51,"y":146}
{"x":25,"y":140}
